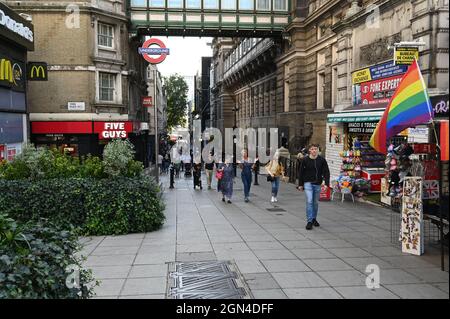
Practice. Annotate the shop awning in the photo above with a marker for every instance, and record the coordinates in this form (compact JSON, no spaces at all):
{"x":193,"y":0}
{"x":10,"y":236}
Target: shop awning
{"x":352,"y":117}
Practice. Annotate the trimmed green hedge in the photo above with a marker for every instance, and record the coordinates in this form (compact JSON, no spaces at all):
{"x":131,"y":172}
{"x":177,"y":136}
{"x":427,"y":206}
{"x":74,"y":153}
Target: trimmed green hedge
{"x":94,"y":206}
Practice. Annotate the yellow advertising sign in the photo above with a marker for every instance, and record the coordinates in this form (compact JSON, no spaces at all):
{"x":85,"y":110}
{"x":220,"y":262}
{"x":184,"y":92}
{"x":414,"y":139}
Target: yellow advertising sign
{"x":6,"y":73}
{"x":405,"y":55}
{"x":361,"y":76}
{"x":37,"y":71}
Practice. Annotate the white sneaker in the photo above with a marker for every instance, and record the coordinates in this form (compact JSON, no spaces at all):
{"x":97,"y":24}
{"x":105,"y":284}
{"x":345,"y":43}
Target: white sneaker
{"x":275,"y":199}
{"x":272,"y":200}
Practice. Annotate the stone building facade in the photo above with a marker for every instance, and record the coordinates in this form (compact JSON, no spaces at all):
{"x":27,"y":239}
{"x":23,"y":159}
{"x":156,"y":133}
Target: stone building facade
{"x":95,"y":74}
{"x":293,"y":83}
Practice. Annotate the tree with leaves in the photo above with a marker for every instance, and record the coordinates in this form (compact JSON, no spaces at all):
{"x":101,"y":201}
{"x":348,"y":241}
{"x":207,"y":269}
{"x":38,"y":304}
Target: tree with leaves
{"x":176,"y":91}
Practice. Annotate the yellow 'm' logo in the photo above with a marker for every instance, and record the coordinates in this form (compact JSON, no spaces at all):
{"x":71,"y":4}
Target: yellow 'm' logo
{"x":39,"y":70}
{"x":6,"y":73}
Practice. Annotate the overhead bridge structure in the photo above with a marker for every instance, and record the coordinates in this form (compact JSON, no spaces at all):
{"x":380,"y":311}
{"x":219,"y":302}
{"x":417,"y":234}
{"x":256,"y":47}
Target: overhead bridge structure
{"x":242,"y":18}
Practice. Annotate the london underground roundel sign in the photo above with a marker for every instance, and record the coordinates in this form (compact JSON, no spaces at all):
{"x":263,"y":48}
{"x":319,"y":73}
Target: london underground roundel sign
{"x":147,"y":51}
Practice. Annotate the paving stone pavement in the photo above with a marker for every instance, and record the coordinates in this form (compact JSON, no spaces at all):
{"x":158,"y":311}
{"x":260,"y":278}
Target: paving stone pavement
{"x":277,"y":257}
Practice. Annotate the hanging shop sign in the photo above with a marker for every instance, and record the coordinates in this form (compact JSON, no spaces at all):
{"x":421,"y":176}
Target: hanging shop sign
{"x":411,"y":232}
{"x":362,"y":127}
{"x":406,"y":55}
{"x":37,"y":71}
{"x":147,"y":101}
{"x":147,"y":51}
{"x":107,"y":130}
{"x":440,"y":105}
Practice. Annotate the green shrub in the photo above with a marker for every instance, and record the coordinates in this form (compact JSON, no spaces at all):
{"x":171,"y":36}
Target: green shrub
{"x":116,"y":157}
{"x":134,"y":169}
{"x":42,"y":163}
{"x":122,"y":206}
{"x":92,"y":166}
{"x":93,"y":206}
{"x":64,"y":165}
{"x":16,"y":169}
{"x":34,"y":261}
{"x":39,"y":161}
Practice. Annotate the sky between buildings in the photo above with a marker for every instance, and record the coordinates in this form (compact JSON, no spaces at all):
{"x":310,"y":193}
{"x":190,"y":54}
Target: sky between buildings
{"x":185,"y":58}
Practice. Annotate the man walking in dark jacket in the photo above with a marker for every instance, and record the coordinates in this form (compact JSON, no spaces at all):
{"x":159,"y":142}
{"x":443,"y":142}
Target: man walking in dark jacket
{"x":313,"y":173}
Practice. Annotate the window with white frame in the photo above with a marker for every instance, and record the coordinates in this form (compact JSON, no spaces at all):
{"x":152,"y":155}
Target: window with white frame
{"x":107,"y":86}
{"x":280,"y":5}
{"x":106,"y":35}
{"x":263,"y":4}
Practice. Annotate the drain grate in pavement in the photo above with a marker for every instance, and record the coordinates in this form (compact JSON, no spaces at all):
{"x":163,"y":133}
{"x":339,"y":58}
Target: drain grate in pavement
{"x":275,"y":209}
{"x":206,"y":280}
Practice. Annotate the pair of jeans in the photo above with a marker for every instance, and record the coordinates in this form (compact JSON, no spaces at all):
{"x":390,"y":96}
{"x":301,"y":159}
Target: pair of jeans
{"x":275,"y":186}
{"x":247,"y":181}
{"x":312,"y":192}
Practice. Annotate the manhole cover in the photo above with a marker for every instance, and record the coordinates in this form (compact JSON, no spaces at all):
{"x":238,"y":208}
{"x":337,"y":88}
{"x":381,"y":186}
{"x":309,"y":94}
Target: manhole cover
{"x":275,"y":209}
{"x":206,"y":280}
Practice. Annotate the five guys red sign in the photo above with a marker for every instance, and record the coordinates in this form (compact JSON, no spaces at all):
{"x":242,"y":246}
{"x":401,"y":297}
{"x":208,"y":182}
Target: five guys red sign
{"x":107,"y":130}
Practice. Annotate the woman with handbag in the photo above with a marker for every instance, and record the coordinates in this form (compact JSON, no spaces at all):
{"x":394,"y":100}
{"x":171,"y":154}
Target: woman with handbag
{"x":226,"y":180}
{"x":275,"y":171}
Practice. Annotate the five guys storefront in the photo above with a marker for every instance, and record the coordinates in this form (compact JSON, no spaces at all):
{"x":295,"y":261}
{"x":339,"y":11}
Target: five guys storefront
{"x":79,"y":138}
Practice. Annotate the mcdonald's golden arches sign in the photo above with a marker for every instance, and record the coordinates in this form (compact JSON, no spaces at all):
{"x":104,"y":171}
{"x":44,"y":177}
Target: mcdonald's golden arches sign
{"x":37,"y":71}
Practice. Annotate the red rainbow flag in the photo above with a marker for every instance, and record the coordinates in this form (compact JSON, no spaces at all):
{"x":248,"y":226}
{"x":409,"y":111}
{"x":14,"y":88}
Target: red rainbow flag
{"x":408,"y":107}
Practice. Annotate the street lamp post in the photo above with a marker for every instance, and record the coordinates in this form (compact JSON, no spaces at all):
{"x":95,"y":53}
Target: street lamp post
{"x":235,"y":109}
{"x":155,"y":109}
